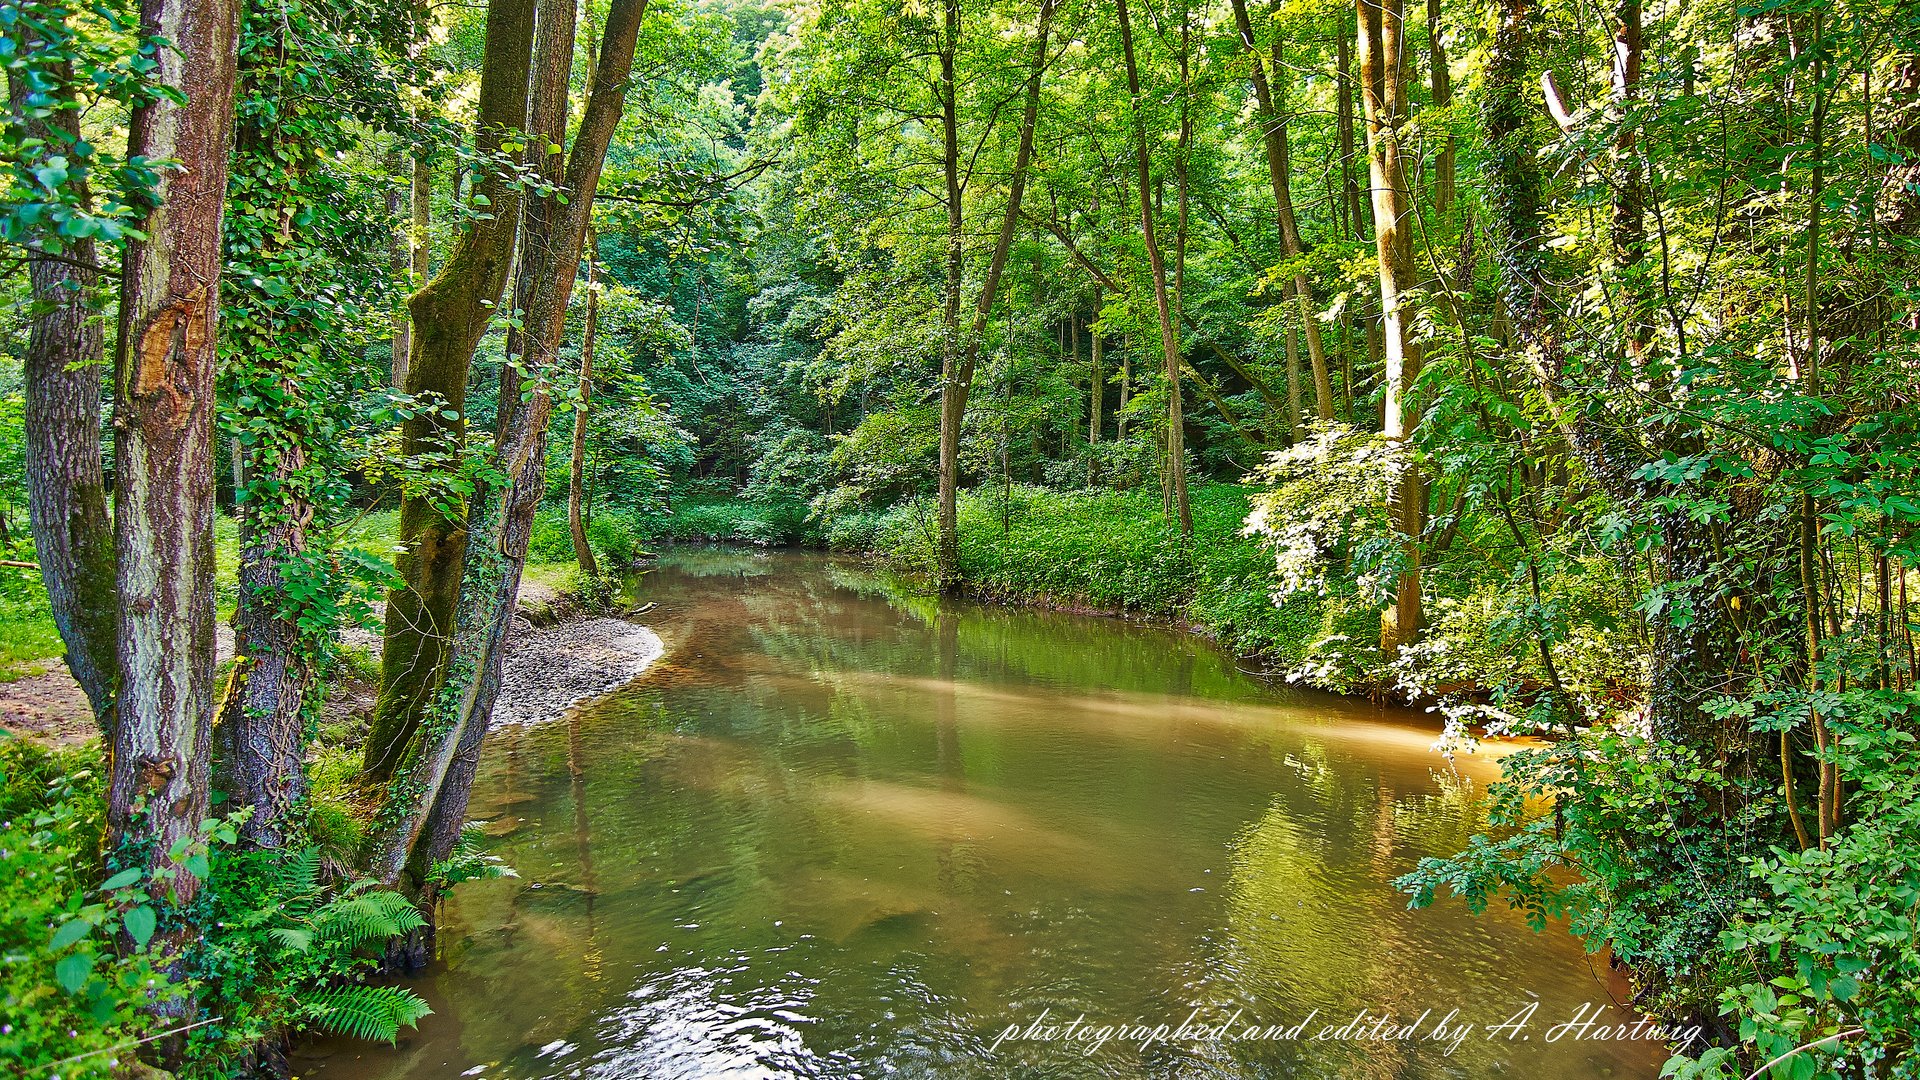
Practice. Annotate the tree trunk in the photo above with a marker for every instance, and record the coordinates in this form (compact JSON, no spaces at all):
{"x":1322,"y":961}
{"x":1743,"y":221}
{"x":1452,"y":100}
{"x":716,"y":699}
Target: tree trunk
{"x":1441,"y":82}
{"x":947,"y":518}
{"x":576,"y":474}
{"x":1169,"y":339}
{"x":1383,"y":96}
{"x":450,"y":315}
{"x":957,"y":374}
{"x":1273,"y":128}
{"x":420,"y":204}
{"x":66,"y":484}
{"x":1686,"y":660}
{"x":431,"y":801}
{"x":1098,"y":382}
{"x":1294,"y":431}
{"x":1344,"y":93}
{"x":157,"y":792}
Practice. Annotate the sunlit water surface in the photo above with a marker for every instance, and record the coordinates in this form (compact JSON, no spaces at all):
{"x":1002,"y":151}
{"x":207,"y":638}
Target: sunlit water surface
{"x":837,"y":833}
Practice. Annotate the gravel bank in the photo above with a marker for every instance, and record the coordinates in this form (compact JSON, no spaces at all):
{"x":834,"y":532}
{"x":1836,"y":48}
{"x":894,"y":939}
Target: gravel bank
{"x":549,"y":671}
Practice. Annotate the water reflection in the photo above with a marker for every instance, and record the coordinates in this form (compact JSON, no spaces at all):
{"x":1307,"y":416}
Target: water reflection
{"x":835,"y":833}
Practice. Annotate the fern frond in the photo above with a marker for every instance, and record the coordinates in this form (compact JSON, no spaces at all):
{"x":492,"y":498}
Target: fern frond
{"x":375,"y":1013}
{"x":298,"y":875}
{"x":291,"y":938}
{"x":359,"y":916}
{"x":469,"y":861}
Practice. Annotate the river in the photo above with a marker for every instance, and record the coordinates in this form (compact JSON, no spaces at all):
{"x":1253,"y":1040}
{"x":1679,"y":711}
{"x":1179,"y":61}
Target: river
{"x":838,"y":831}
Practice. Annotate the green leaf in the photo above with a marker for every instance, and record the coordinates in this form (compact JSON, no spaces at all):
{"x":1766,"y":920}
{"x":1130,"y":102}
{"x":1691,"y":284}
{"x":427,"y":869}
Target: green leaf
{"x":140,"y":923}
{"x":73,"y":931}
{"x":122,"y":879}
{"x":73,"y":971}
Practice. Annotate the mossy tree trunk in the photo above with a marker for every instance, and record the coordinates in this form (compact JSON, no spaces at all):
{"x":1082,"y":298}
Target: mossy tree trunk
{"x":427,"y":805}
{"x":450,"y":315}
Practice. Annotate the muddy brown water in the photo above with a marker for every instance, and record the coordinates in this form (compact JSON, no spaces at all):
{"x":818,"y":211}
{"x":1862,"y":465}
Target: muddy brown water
{"x":842,"y":832}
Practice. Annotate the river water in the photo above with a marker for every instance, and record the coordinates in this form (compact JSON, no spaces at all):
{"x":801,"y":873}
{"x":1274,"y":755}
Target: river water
{"x":839,"y":832}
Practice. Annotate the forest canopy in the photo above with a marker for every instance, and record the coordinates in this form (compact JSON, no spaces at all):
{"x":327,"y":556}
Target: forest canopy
{"x":1551,"y":366}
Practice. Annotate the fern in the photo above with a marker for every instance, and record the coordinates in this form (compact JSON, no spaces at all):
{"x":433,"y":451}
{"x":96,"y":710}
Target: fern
{"x":469,"y":862}
{"x":291,"y":938}
{"x":360,"y":915}
{"x":297,"y":877}
{"x":375,"y":1013}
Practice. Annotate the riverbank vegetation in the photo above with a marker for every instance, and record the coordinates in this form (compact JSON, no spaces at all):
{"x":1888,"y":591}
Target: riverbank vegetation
{"x":1551,"y":366}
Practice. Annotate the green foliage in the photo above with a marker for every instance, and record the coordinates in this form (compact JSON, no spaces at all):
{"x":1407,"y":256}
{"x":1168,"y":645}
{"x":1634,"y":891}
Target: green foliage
{"x":738,"y":520}
{"x":291,"y":953}
{"x":67,"y":992}
{"x":1116,"y":552}
{"x":469,"y":861}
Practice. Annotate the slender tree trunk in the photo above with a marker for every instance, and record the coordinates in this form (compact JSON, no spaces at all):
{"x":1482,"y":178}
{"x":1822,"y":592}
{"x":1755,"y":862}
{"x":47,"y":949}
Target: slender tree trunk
{"x":947,"y":523}
{"x":1097,"y":396}
{"x":400,"y":265}
{"x":66,"y":484}
{"x":1294,"y":431}
{"x":420,"y":204}
{"x":957,"y":376}
{"x":450,"y":315}
{"x":576,"y":476}
{"x":157,"y":793}
{"x":1441,"y":82}
{"x":1273,"y":127}
{"x":1169,"y":340}
{"x":1383,"y":95}
{"x":1344,"y":95}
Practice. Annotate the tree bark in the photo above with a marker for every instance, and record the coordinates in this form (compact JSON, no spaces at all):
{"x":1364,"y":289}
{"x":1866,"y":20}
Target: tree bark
{"x":576,"y":473}
{"x":1098,"y":381}
{"x":450,"y":315}
{"x":947,"y":513}
{"x":957,"y":376}
{"x":157,"y":793}
{"x":1169,"y":339}
{"x":1440,"y":81}
{"x":1343,"y":93}
{"x":66,"y":484}
{"x":1383,"y":97}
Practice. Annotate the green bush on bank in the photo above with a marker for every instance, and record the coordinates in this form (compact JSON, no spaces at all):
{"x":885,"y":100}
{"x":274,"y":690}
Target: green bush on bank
{"x":765,"y":524}
{"x":1115,"y":551}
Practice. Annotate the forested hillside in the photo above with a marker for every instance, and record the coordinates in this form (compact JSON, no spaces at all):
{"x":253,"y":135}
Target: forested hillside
{"x":1549,"y":366}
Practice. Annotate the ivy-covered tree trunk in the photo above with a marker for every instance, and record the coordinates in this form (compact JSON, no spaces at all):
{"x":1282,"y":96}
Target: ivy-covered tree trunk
{"x":429,"y":803}
{"x":66,"y":485}
{"x":157,"y":792}
{"x":1383,"y":96}
{"x":450,"y":315}
{"x":279,"y":402}
{"x":1691,"y":637}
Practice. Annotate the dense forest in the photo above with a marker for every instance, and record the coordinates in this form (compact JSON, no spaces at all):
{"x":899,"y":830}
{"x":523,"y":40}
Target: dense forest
{"x":1552,"y":367}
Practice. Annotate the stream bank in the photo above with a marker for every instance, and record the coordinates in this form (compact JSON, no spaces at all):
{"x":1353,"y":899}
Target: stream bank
{"x":557,"y":657}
